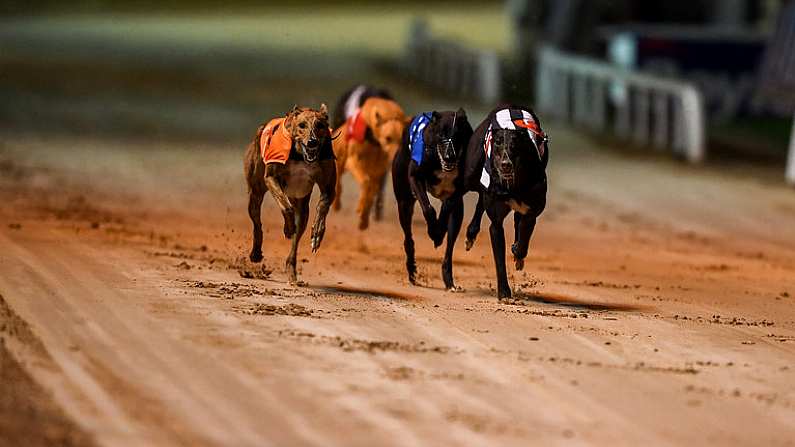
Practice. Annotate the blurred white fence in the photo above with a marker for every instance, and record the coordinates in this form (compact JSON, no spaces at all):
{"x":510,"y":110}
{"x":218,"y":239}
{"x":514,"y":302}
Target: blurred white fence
{"x":791,"y":157}
{"x":645,"y":109}
{"x":451,"y":67}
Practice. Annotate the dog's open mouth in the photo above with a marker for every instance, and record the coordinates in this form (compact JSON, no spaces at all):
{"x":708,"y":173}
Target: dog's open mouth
{"x":310,"y":154}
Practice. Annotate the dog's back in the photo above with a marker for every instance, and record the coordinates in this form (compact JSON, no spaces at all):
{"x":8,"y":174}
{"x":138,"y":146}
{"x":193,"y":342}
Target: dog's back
{"x":362,"y":93}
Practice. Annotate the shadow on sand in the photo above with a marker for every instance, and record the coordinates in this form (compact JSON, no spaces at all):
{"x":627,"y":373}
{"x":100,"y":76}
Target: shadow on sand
{"x":559,"y":299}
{"x":365,"y":292}
{"x":520,"y":298}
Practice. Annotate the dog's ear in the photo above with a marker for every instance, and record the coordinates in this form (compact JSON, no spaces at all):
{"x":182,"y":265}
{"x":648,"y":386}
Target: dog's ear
{"x":407,"y":120}
{"x":377,"y":117}
{"x":461,"y":112}
{"x":436,"y":116}
{"x":288,"y":120}
{"x":324,"y":111}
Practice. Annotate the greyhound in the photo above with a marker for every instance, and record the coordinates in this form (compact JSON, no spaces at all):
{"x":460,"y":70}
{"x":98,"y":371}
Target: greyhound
{"x":346,"y":108}
{"x":429,"y":161}
{"x":288,"y":157}
{"x":506,"y":164}
{"x":366,"y":145}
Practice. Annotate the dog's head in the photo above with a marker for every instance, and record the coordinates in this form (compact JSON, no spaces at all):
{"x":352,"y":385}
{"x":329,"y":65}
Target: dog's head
{"x":449,"y":134}
{"x":514,"y":154}
{"x":387,"y":121}
{"x":309,"y":130}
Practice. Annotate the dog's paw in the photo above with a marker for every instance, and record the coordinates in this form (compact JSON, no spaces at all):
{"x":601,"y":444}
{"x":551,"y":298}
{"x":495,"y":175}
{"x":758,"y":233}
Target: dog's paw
{"x":316,"y":243}
{"x":455,"y":289}
{"x":255,"y":256}
{"x":436,"y":234}
{"x":504,"y":294}
{"x":469,"y":244}
{"x":317,"y":238}
{"x":518,"y":263}
{"x":438,"y":240}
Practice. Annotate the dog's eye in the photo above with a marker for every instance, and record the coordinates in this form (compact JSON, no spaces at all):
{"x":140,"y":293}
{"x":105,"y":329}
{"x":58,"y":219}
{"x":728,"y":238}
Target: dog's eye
{"x":302,"y":125}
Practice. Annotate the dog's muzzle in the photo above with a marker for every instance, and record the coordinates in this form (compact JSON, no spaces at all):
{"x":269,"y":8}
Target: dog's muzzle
{"x":310,"y":153}
{"x":506,"y":174}
{"x":446,"y":152}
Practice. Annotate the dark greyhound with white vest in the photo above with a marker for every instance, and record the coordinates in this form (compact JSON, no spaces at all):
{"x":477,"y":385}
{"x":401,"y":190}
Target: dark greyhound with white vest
{"x":506,"y":164}
{"x":430,"y":161}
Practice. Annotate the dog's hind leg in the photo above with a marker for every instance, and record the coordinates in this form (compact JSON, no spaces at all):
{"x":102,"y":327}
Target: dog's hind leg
{"x":474,"y":225}
{"x":301,"y":218}
{"x":255,"y":197}
{"x":523,"y":226}
{"x":454,"y":221}
{"x":497,"y":212}
{"x":340,"y":169}
{"x":378,"y":212}
{"x":405,"y":213}
{"x":366,"y":198}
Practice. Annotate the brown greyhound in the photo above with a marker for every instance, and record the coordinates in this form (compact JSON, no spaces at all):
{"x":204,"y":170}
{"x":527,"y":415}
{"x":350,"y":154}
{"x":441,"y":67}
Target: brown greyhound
{"x":288,"y":157}
{"x":366,"y":145}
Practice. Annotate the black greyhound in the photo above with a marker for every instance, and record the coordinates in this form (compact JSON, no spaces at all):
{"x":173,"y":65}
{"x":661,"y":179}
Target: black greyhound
{"x":351,"y":100}
{"x":506,"y":164}
{"x":429,"y":161}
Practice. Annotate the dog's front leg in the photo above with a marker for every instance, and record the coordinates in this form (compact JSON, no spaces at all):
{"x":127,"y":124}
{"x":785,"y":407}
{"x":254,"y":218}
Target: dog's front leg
{"x":452,"y":217}
{"x":421,"y":194}
{"x":523,"y":226}
{"x":327,"y":187}
{"x":497,"y":211}
{"x":275,"y":177}
{"x":474,"y":226}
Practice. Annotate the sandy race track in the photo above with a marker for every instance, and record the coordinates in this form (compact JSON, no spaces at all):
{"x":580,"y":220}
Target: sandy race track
{"x":656,"y":308}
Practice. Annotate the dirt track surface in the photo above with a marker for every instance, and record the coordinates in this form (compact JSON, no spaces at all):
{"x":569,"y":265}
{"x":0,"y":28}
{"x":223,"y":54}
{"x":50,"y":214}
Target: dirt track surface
{"x":658,"y":307}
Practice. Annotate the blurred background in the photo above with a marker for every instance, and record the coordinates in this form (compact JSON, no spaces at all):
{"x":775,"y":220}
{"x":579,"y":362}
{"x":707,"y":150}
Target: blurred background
{"x":716,"y":78}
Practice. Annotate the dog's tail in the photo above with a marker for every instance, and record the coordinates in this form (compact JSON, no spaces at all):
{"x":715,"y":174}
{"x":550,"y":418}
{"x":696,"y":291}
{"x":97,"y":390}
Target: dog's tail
{"x":253,"y":156}
{"x":258,"y":136}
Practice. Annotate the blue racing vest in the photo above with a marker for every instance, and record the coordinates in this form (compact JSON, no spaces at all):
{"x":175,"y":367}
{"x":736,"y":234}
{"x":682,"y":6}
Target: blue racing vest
{"x":416,"y":141}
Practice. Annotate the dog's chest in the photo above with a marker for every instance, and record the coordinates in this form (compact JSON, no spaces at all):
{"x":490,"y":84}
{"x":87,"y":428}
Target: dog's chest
{"x":446,"y":184}
{"x":518,"y":206}
{"x":300,"y":178}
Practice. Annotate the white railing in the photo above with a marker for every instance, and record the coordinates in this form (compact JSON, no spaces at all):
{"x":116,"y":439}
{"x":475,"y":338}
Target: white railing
{"x":645,"y":109}
{"x":452,"y":67}
{"x":790,"y":174}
